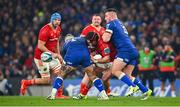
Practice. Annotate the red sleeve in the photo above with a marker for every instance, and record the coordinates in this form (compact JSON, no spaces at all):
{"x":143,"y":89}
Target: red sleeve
{"x":43,"y":35}
{"x":104,"y":48}
{"x":85,"y":31}
{"x":59,"y":32}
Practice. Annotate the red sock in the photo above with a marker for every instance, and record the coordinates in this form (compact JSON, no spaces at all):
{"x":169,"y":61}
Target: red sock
{"x":59,"y":92}
{"x":108,"y":91}
{"x":30,"y":82}
{"x":84,"y":89}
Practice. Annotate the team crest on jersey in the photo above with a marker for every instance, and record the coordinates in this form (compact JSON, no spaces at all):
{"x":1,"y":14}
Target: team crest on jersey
{"x":106,"y":50}
{"x":127,"y":60}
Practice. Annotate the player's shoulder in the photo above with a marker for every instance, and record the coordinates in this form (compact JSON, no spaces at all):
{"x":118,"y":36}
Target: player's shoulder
{"x":59,"y":28}
{"x":44,"y":28}
{"x":102,"y":28}
{"x":110,"y":24}
{"x":88,"y":27}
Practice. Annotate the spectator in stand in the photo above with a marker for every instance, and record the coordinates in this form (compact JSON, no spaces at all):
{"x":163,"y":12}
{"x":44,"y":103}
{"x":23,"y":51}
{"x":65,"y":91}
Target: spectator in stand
{"x":146,"y":66}
{"x":167,"y":69}
{"x":5,"y":87}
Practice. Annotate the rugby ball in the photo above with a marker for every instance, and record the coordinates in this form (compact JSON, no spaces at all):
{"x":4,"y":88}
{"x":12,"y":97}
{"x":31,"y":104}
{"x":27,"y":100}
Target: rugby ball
{"x":97,"y":56}
{"x":46,"y":57}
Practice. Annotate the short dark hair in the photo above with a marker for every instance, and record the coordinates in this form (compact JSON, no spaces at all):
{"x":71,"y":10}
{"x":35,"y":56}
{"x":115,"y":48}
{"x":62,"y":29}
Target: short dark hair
{"x":92,"y":36}
{"x":96,"y":14}
{"x":110,"y":10}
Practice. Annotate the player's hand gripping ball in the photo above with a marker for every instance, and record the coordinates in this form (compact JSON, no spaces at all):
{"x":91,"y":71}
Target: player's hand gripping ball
{"x":46,"y":57}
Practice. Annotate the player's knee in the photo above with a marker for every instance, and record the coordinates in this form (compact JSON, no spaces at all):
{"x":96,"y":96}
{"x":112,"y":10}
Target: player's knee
{"x":93,"y":77}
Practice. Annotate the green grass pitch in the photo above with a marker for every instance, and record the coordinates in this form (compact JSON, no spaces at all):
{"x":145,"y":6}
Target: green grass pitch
{"x":91,"y":101}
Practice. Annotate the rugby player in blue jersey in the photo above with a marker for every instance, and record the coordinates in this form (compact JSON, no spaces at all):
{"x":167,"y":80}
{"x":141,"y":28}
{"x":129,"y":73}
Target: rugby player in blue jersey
{"x":76,"y":53}
{"x":127,"y":54}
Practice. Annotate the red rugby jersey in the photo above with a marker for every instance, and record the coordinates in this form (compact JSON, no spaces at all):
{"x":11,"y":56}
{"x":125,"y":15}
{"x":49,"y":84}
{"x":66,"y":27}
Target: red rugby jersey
{"x":50,"y":37}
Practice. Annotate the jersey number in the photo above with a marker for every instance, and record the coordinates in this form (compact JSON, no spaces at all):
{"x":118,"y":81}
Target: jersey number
{"x":125,"y":30}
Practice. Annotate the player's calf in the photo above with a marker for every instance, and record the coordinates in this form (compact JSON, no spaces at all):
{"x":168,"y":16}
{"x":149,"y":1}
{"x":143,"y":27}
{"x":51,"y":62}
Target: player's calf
{"x":57,"y":84}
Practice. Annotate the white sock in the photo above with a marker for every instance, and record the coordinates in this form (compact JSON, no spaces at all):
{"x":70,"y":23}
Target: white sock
{"x":53,"y":92}
{"x":162,"y":94}
{"x":173,"y":94}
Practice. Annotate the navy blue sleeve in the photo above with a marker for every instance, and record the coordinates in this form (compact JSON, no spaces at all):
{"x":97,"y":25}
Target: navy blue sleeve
{"x":64,"y":48}
{"x":109,"y":28}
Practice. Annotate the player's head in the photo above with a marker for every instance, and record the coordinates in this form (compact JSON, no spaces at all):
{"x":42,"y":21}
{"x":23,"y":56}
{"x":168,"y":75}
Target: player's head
{"x":110,"y":14}
{"x":55,"y":19}
{"x":146,"y":49}
{"x":96,"y":20}
{"x":68,"y":37}
{"x":167,"y":48}
{"x":92,"y":39}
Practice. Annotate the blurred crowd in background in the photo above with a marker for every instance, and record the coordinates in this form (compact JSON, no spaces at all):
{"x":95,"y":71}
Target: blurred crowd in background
{"x":150,"y":23}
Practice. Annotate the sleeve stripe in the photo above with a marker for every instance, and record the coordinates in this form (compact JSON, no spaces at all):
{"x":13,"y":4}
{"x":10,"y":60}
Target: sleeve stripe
{"x":109,"y":31}
{"x":82,"y":35}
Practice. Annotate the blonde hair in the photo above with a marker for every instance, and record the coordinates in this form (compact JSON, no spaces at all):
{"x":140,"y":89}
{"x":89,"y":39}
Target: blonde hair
{"x":68,"y":37}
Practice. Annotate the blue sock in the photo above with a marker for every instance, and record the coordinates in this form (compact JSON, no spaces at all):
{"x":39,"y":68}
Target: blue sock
{"x":98,"y":84}
{"x":126,"y":80}
{"x":140,"y":85}
{"x":58,"y":83}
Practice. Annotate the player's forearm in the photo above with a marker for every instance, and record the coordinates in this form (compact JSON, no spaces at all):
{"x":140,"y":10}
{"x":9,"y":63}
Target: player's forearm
{"x":43,"y":48}
{"x":106,"y":37}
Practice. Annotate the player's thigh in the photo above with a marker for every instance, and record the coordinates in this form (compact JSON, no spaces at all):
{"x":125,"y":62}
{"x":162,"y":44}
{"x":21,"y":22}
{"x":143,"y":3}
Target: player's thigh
{"x":85,"y":79}
{"x":121,"y":60}
{"x":55,"y":66}
{"x":118,"y":65}
{"x":128,"y":70}
{"x":43,"y":68}
{"x":171,"y":77}
{"x":90,"y":72}
{"x":106,"y":75}
{"x":163,"y":76}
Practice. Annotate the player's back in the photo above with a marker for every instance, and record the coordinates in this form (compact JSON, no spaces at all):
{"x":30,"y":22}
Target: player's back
{"x":120,"y":37}
{"x":76,"y":52}
{"x":77,"y":44}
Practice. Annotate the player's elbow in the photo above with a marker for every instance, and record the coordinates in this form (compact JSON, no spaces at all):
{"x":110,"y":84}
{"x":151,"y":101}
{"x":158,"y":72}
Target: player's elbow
{"x":40,"y":47}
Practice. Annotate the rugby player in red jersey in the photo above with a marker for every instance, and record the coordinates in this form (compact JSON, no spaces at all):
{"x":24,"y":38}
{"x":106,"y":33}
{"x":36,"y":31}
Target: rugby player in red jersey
{"x":103,"y":64}
{"x":48,"y":41}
